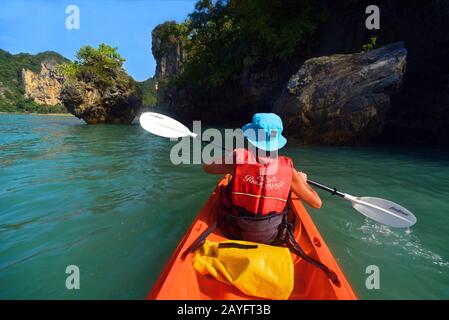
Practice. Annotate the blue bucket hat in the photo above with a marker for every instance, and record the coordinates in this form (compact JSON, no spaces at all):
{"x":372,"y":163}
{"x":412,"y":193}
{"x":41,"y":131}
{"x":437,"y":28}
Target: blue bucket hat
{"x":265,"y":132}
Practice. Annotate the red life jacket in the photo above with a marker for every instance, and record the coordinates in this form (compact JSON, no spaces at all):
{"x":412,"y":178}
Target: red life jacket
{"x":260,"y":188}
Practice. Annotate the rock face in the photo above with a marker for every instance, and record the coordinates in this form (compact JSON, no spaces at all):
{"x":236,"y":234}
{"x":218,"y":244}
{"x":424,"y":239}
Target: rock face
{"x":28,"y":82}
{"x":342,"y":98}
{"x":420,"y":110}
{"x":168,"y":49}
{"x":116,"y":103}
{"x":43,"y":87}
{"x":3,"y":90}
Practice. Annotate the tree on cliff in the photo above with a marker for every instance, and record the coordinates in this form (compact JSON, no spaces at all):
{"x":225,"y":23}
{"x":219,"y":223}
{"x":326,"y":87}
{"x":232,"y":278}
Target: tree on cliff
{"x":223,"y":37}
{"x":101,"y":66}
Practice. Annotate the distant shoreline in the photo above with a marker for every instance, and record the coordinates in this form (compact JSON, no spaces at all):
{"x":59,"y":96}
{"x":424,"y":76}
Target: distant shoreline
{"x":40,"y":114}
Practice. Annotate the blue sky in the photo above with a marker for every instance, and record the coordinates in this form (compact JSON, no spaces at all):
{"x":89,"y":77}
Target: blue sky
{"x":34,"y":26}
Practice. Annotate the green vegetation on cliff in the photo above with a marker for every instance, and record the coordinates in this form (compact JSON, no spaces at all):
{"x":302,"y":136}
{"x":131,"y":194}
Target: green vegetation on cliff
{"x":100,"y":66}
{"x":148,"y":89}
{"x":11,"y":87}
{"x":371,"y":45}
{"x":222,"y":37}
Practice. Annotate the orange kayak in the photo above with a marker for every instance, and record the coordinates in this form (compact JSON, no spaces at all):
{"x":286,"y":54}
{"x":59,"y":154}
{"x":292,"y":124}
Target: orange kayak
{"x":180,"y":281}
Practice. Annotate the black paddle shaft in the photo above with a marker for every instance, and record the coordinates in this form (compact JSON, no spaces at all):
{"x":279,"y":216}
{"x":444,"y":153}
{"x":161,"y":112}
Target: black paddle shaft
{"x":334,"y":191}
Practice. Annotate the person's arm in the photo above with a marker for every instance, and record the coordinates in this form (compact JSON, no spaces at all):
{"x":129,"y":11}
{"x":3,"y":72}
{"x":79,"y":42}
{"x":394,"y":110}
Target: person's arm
{"x":301,"y":188}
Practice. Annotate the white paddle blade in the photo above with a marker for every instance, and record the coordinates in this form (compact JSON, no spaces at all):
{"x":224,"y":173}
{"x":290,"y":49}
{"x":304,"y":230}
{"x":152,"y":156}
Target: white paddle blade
{"x":383,"y":211}
{"x":164,"y":126}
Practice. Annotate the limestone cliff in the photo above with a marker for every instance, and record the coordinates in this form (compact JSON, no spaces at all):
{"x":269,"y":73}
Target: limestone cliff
{"x":3,"y":90}
{"x":28,"y":82}
{"x":342,"y":98}
{"x":43,"y":87}
{"x":168,"y":49}
{"x":418,"y":112}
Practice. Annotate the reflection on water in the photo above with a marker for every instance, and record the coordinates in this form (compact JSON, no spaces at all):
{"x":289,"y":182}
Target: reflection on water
{"x":107,"y":198}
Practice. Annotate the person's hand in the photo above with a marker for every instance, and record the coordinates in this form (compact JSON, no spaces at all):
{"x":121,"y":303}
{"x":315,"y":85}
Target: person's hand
{"x":303,"y":176}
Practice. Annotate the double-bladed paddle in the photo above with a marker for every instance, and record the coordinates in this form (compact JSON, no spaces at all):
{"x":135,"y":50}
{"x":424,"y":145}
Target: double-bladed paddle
{"x":377,"y":209}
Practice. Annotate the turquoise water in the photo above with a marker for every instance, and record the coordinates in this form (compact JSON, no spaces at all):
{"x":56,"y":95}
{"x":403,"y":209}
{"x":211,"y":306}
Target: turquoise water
{"x":107,"y":199}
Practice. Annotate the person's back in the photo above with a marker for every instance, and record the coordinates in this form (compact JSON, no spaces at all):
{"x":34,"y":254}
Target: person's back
{"x":260,"y":186}
{"x":256,"y":204}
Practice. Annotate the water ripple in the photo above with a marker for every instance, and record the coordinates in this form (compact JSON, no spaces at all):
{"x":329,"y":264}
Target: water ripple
{"x":381,"y":235}
{"x":60,"y":248}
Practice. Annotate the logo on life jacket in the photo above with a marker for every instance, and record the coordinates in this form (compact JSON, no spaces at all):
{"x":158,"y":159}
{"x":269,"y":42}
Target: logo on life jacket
{"x":265,"y":182}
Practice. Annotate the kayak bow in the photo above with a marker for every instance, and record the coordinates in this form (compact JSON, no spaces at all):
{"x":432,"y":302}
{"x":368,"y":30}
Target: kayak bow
{"x":179,"y":280}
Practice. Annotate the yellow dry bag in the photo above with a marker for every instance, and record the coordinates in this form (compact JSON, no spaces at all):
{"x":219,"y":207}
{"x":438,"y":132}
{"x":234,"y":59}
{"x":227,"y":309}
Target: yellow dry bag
{"x":255,"y":269}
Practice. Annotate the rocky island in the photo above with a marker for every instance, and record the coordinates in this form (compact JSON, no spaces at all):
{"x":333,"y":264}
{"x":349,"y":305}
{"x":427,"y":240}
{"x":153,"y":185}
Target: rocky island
{"x":97,"y":89}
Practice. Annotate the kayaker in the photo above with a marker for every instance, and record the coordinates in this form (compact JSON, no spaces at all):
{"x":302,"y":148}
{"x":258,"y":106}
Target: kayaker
{"x":255,"y":205}
{"x":259,"y":195}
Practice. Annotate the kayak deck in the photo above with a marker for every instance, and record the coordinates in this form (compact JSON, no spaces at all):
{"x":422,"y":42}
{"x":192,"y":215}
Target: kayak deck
{"x":180,"y":281}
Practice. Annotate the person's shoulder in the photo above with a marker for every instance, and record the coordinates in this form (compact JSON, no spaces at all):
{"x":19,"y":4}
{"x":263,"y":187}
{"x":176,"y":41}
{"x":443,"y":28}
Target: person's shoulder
{"x":287,"y":160}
